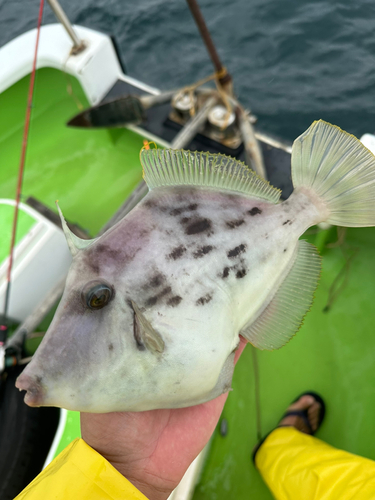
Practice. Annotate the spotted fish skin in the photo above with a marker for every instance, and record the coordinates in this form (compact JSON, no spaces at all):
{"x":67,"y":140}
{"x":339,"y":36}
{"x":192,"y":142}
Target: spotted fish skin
{"x":191,"y":268}
{"x":202,"y":249}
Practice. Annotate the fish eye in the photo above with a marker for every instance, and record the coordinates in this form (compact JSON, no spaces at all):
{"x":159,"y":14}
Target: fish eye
{"x":97,"y":295}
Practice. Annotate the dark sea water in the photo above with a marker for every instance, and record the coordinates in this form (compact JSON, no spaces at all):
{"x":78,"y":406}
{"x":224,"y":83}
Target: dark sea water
{"x":292,"y":61}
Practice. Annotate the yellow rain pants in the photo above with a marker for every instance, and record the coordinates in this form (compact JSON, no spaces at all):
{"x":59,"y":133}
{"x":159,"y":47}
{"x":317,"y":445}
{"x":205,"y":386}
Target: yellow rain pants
{"x":296,"y":466}
{"x":80,"y":473}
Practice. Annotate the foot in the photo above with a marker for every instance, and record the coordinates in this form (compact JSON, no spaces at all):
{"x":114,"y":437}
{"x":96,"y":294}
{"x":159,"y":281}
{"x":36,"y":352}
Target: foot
{"x":313,"y":409}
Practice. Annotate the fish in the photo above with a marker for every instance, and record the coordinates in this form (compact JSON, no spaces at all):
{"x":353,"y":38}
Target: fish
{"x":153,"y":310}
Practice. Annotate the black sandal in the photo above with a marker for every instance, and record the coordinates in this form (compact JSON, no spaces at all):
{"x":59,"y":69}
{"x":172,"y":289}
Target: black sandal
{"x":299,"y":413}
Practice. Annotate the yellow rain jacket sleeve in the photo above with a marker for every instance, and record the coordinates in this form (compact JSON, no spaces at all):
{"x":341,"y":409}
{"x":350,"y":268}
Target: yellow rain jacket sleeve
{"x":297,"y":466}
{"x":79,"y":472}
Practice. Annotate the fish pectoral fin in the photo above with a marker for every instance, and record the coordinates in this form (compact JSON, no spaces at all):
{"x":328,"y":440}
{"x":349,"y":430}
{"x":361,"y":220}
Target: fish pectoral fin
{"x":283,"y":316}
{"x":168,"y":167}
{"x":145,"y":335}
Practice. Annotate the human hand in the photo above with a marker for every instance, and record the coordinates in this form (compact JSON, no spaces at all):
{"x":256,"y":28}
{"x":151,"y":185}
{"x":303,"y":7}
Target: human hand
{"x":153,"y":449}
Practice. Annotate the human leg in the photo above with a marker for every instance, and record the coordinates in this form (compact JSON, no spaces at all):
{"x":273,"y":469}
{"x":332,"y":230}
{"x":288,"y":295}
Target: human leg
{"x":296,"y":465}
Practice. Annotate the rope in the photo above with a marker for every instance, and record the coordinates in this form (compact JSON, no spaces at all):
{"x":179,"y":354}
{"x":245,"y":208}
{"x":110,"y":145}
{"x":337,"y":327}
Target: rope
{"x":21,"y":169}
{"x":215,"y":76}
{"x":226,"y":103}
{"x":258,"y":415}
{"x":69,"y":85}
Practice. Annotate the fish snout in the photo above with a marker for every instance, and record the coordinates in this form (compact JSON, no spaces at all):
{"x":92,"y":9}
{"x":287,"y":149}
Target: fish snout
{"x":34,"y":391}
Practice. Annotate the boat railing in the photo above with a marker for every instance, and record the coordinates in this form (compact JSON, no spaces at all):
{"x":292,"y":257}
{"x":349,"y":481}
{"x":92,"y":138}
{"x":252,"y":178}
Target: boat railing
{"x":78,"y":45}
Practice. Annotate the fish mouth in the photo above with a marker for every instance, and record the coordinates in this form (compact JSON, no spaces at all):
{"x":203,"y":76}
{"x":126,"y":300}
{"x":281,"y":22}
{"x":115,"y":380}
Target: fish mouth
{"x":34,"y":391}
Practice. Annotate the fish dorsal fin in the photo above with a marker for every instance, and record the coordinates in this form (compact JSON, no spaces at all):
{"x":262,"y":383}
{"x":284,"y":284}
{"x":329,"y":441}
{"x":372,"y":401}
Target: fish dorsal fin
{"x":75,"y":243}
{"x":144,"y":333}
{"x":168,"y":167}
{"x":283,"y":316}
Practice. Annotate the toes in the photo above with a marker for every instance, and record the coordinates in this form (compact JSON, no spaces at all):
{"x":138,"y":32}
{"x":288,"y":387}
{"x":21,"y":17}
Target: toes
{"x":312,"y":407}
{"x":303,"y":403}
{"x":313,"y":415}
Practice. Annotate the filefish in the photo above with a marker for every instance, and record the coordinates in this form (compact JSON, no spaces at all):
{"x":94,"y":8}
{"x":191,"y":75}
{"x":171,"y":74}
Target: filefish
{"x":153,"y":309}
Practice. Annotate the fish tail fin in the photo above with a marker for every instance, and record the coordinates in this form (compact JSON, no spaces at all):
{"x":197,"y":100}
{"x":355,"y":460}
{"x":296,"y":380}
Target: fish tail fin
{"x":336,"y":167}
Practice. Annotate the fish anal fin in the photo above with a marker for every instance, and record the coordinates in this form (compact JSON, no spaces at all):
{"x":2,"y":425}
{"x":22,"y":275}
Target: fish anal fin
{"x":168,"y":167}
{"x":145,"y":335}
{"x":283,"y":316}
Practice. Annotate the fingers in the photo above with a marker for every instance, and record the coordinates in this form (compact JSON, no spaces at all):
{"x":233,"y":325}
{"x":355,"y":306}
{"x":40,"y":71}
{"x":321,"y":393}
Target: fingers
{"x":240,"y":349}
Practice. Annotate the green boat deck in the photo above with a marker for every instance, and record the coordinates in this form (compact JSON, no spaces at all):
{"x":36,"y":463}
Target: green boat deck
{"x":332,"y":354}
{"x":91,"y":172}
